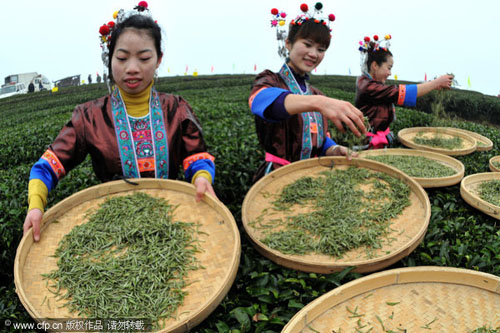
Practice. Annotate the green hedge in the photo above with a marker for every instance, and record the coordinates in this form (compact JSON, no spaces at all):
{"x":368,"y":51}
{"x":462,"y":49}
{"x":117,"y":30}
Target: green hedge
{"x":264,"y":295}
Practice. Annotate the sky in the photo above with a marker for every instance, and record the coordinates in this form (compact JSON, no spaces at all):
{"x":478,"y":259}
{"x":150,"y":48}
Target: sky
{"x":429,"y":37}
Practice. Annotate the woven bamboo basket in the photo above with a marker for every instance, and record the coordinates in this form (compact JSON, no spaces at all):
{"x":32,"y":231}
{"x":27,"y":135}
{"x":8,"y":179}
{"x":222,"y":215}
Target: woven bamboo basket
{"x":206,"y":287}
{"x":482,"y":142}
{"x":492,"y":160}
{"x":425,"y":182}
{"x":469,"y":192}
{"x":407,"y":135}
{"x":414,"y":299}
{"x":408,"y":229}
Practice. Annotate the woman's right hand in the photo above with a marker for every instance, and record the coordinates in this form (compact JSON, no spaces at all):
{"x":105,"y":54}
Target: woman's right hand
{"x":444,"y":81}
{"x":341,"y":112}
{"x":33,"y":220}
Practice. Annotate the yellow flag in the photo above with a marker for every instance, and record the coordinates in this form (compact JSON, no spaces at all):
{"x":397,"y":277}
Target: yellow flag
{"x":468,"y":82}
{"x":395,"y":77}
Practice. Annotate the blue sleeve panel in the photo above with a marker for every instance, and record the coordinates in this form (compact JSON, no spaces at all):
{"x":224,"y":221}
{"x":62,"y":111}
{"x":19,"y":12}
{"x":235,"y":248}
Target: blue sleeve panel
{"x":43,"y":171}
{"x":264,"y":98}
{"x":411,"y":95}
{"x":327,"y":144}
{"x":276,"y":111}
{"x":204,"y":164}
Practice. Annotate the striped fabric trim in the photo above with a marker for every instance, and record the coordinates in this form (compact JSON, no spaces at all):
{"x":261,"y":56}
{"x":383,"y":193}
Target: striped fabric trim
{"x":196,"y":157}
{"x":54,"y":163}
{"x":402,"y":94}
{"x":250,"y":100}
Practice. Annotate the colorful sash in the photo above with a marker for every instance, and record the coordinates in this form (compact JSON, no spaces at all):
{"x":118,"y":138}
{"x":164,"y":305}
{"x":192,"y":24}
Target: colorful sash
{"x":125,"y":140}
{"x":311,"y":120}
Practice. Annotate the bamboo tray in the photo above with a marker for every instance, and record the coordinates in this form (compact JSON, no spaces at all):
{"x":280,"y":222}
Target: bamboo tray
{"x":482,"y":142}
{"x":425,"y":182}
{"x":408,"y":229}
{"x":453,"y":299}
{"x":468,"y":191}
{"x":494,"y":159}
{"x":206,"y":287}
{"x":406,"y":137}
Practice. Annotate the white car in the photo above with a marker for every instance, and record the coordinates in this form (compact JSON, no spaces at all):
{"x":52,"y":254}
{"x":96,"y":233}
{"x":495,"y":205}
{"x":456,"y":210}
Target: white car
{"x":13,"y":89}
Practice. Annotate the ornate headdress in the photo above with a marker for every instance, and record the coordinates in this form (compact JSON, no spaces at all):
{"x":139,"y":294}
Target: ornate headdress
{"x":106,"y":30}
{"x":278,"y":22}
{"x":367,"y":45}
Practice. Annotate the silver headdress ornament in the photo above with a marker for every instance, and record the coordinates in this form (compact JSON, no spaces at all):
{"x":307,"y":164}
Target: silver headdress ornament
{"x":368,"y":45}
{"x":278,"y":21}
{"x":106,"y":30}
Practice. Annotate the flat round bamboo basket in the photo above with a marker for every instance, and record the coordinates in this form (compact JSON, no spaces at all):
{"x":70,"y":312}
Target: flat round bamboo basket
{"x":440,"y":158}
{"x":407,"y":230}
{"x":413,"y":299}
{"x":469,"y":192}
{"x":407,"y":135}
{"x":482,"y":142}
{"x":492,"y":166}
{"x":206,"y":287}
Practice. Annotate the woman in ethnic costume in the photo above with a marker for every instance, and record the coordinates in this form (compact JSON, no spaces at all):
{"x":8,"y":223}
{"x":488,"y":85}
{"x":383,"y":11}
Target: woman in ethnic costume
{"x":291,"y":115}
{"x":133,"y":132}
{"x":376,"y":99}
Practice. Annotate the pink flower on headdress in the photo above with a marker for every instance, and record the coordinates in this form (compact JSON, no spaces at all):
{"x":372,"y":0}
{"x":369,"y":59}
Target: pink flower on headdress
{"x":283,"y":15}
{"x":274,"y":23}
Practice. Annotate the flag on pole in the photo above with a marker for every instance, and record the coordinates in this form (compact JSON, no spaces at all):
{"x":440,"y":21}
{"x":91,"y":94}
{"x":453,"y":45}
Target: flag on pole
{"x":234,"y":67}
{"x":468,"y":82}
{"x":255,"y":67}
{"x":187,"y":68}
{"x":212,"y":69}
{"x":169,"y":69}
{"x":349,"y":70}
{"x":395,"y":77}
{"x":425,"y":77}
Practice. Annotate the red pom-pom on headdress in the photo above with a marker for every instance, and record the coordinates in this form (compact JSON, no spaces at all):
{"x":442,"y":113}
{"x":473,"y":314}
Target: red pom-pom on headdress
{"x":143,"y":4}
{"x":331,"y":17}
{"x":111,"y":24}
{"x":375,"y":37}
{"x":274,"y":11}
{"x":304,"y":7}
{"x":367,"y":39}
{"x":104,"y":30}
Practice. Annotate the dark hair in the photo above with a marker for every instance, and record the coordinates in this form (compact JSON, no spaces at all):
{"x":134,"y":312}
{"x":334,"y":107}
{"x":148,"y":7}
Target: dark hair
{"x":141,"y":22}
{"x":310,"y":30}
{"x":379,"y":56}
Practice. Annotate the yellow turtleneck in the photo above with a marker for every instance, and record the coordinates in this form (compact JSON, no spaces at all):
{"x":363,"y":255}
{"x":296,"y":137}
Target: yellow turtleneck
{"x":137,"y":105}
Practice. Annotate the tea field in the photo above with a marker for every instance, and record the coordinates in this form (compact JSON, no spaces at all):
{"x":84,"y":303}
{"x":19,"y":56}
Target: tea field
{"x":264,"y":295}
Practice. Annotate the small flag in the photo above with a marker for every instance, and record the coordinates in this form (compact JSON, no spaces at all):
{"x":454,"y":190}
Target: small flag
{"x":255,"y":67}
{"x":187,"y":69}
{"x":212,"y":69}
{"x":316,"y":70}
{"x":234,"y":67}
{"x":169,"y":69}
{"x":395,"y":77}
{"x":425,"y":78}
{"x":468,"y":82}
{"x":349,"y":70}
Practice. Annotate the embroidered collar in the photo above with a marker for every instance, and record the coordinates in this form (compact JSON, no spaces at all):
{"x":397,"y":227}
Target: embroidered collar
{"x":137,"y":105}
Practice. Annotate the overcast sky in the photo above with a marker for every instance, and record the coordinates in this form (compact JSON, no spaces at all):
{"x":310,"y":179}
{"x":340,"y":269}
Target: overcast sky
{"x":60,"y":38}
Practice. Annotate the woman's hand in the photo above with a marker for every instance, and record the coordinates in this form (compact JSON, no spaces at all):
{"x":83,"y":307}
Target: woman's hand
{"x":341,"y":112}
{"x":203,"y":185}
{"x":33,"y":220}
{"x":444,"y":81}
{"x":339,"y":150}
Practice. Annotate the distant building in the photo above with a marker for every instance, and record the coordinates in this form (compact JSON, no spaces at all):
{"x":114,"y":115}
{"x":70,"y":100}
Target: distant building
{"x":41,"y":82}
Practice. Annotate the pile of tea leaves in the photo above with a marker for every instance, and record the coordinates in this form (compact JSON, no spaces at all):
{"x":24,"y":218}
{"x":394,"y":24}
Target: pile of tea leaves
{"x":130,"y":260}
{"x":496,"y":164}
{"x":489,"y":191}
{"x":439,"y":141}
{"x":415,"y":166}
{"x":348,"y":209}
{"x":348,"y":139}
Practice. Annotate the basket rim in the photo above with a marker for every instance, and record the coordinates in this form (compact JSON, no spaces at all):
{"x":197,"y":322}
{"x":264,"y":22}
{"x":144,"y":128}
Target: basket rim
{"x":446,"y":130}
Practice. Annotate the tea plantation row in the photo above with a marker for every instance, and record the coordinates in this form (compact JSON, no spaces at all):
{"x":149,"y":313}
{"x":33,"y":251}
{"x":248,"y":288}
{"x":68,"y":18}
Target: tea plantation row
{"x":264,"y":295}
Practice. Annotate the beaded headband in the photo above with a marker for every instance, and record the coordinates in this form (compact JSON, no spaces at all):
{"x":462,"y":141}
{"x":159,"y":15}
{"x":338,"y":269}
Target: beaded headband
{"x":106,"y":30}
{"x":278,"y":21}
{"x":367,"y":45}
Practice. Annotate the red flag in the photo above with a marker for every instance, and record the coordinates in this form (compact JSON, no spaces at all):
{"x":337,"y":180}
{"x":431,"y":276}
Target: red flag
{"x":425,"y":78}
{"x":255,"y":67}
{"x":187,"y":68}
{"x":212,"y":69}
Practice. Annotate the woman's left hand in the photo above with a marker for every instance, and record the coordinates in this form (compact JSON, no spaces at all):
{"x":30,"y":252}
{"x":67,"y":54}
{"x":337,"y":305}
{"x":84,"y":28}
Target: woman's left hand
{"x":203,"y":185}
{"x":339,"y":150}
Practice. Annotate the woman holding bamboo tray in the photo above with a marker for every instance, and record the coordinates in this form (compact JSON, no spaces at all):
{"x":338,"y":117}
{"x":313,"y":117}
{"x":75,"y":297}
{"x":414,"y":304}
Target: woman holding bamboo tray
{"x":291,"y":115}
{"x":376,"y":99}
{"x":134,"y":131}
